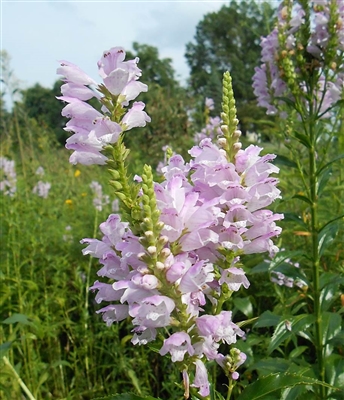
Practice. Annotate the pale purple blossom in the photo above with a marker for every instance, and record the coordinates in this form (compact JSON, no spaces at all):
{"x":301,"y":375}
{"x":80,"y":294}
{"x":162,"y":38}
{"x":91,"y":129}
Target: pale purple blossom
{"x":92,"y":130}
{"x":177,"y":345}
{"x":42,"y":189}
{"x":201,"y":379}
{"x":8,"y":185}
{"x":100,"y":200}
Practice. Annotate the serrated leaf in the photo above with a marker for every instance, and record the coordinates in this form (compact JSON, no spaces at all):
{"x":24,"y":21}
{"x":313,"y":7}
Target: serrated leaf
{"x":275,"y":382}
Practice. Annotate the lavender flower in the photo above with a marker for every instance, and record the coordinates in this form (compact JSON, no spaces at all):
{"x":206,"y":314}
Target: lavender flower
{"x":9,"y":183}
{"x":42,"y":189}
{"x":288,"y":52}
{"x":100,"y":200}
{"x":93,"y":129}
{"x":179,"y":254}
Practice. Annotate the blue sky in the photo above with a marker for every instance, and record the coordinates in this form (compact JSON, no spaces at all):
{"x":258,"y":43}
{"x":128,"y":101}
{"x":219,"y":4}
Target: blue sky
{"x":38,"y":33}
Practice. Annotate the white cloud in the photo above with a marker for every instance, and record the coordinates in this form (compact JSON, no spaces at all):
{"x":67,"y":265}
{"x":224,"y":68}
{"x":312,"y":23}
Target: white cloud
{"x":38,"y":33}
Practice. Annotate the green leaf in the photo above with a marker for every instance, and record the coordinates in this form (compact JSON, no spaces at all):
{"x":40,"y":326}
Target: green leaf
{"x":303,"y":139}
{"x":21,"y":318}
{"x":331,"y":324}
{"x":281,"y":256}
{"x":285,"y":161}
{"x":4,"y":347}
{"x":287,"y":328}
{"x":324,"y":167}
{"x":288,"y":101}
{"x":244,"y":305}
{"x":298,"y":351}
{"x":267,"y":319}
{"x":274,"y":382}
{"x":326,"y":236}
{"x":303,"y":198}
{"x":259,"y":268}
{"x":331,"y":222}
{"x":329,"y":294}
{"x":334,"y":365}
{"x":325,"y":177}
{"x":126,"y":396}
{"x":289,"y":216}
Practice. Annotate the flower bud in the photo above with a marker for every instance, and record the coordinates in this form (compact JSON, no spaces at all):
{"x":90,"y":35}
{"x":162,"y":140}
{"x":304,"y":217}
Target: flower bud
{"x":151,"y":250}
{"x":160,"y":266}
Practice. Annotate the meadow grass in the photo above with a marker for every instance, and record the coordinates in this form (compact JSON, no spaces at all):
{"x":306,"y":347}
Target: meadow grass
{"x":52,"y":339}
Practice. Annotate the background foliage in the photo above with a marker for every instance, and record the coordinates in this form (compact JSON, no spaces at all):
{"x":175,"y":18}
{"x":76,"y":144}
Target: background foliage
{"x":50,"y":335}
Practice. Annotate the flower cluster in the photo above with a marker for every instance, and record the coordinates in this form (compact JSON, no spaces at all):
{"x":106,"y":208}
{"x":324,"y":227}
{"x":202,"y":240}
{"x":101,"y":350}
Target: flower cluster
{"x":92,"y":128}
{"x":211,"y":211}
{"x":174,"y":258}
{"x":306,"y":41}
{"x":42,"y":189}
{"x":9,"y":183}
{"x":100,"y":200}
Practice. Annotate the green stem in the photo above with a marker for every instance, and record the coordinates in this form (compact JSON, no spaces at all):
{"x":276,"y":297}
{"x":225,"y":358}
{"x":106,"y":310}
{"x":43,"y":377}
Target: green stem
{"x":88,"y":277}
{"x":230,"y":388}
{"x":19,"y":380}
{"x":315,"y":255}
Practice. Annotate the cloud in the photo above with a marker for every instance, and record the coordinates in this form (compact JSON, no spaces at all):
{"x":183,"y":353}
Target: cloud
{"x":37,"y":34}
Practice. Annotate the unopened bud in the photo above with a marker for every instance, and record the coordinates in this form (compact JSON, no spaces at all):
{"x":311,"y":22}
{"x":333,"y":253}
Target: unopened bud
{"x":222,"y":142}
{"x":159,"y":265}
{"x":224,"y":129}
{"x":160,"y":224}
{"x":237,"y":146}
{"x":149,"y":234}
{"x":165,"y":252}
{"x":163,"y":239}
{"x":237,"y":133}
{"x":151,"y":250}
{"x":141,"y":256}
{"x":284,"y":12}
{"x":333,"y":66}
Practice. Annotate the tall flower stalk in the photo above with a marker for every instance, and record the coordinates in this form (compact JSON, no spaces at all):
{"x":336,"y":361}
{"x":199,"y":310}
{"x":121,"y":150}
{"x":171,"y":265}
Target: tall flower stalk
{"x":173,"y":254}
{"x":302,"y":74}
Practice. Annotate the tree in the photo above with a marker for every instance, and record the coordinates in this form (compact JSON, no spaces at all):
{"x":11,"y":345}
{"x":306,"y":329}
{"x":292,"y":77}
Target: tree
{"x":40,"y":103}
{"x":167,"y":104}
{"x":155,"y":70}
{"x":229,"y":40}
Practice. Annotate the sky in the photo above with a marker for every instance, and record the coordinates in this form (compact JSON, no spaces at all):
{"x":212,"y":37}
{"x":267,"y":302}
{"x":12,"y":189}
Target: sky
{"x":37,"y":34}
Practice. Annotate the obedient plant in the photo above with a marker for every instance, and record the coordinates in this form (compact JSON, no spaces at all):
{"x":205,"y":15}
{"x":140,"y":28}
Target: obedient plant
{"x":171,"y":258}
{"x":301,"y":79}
